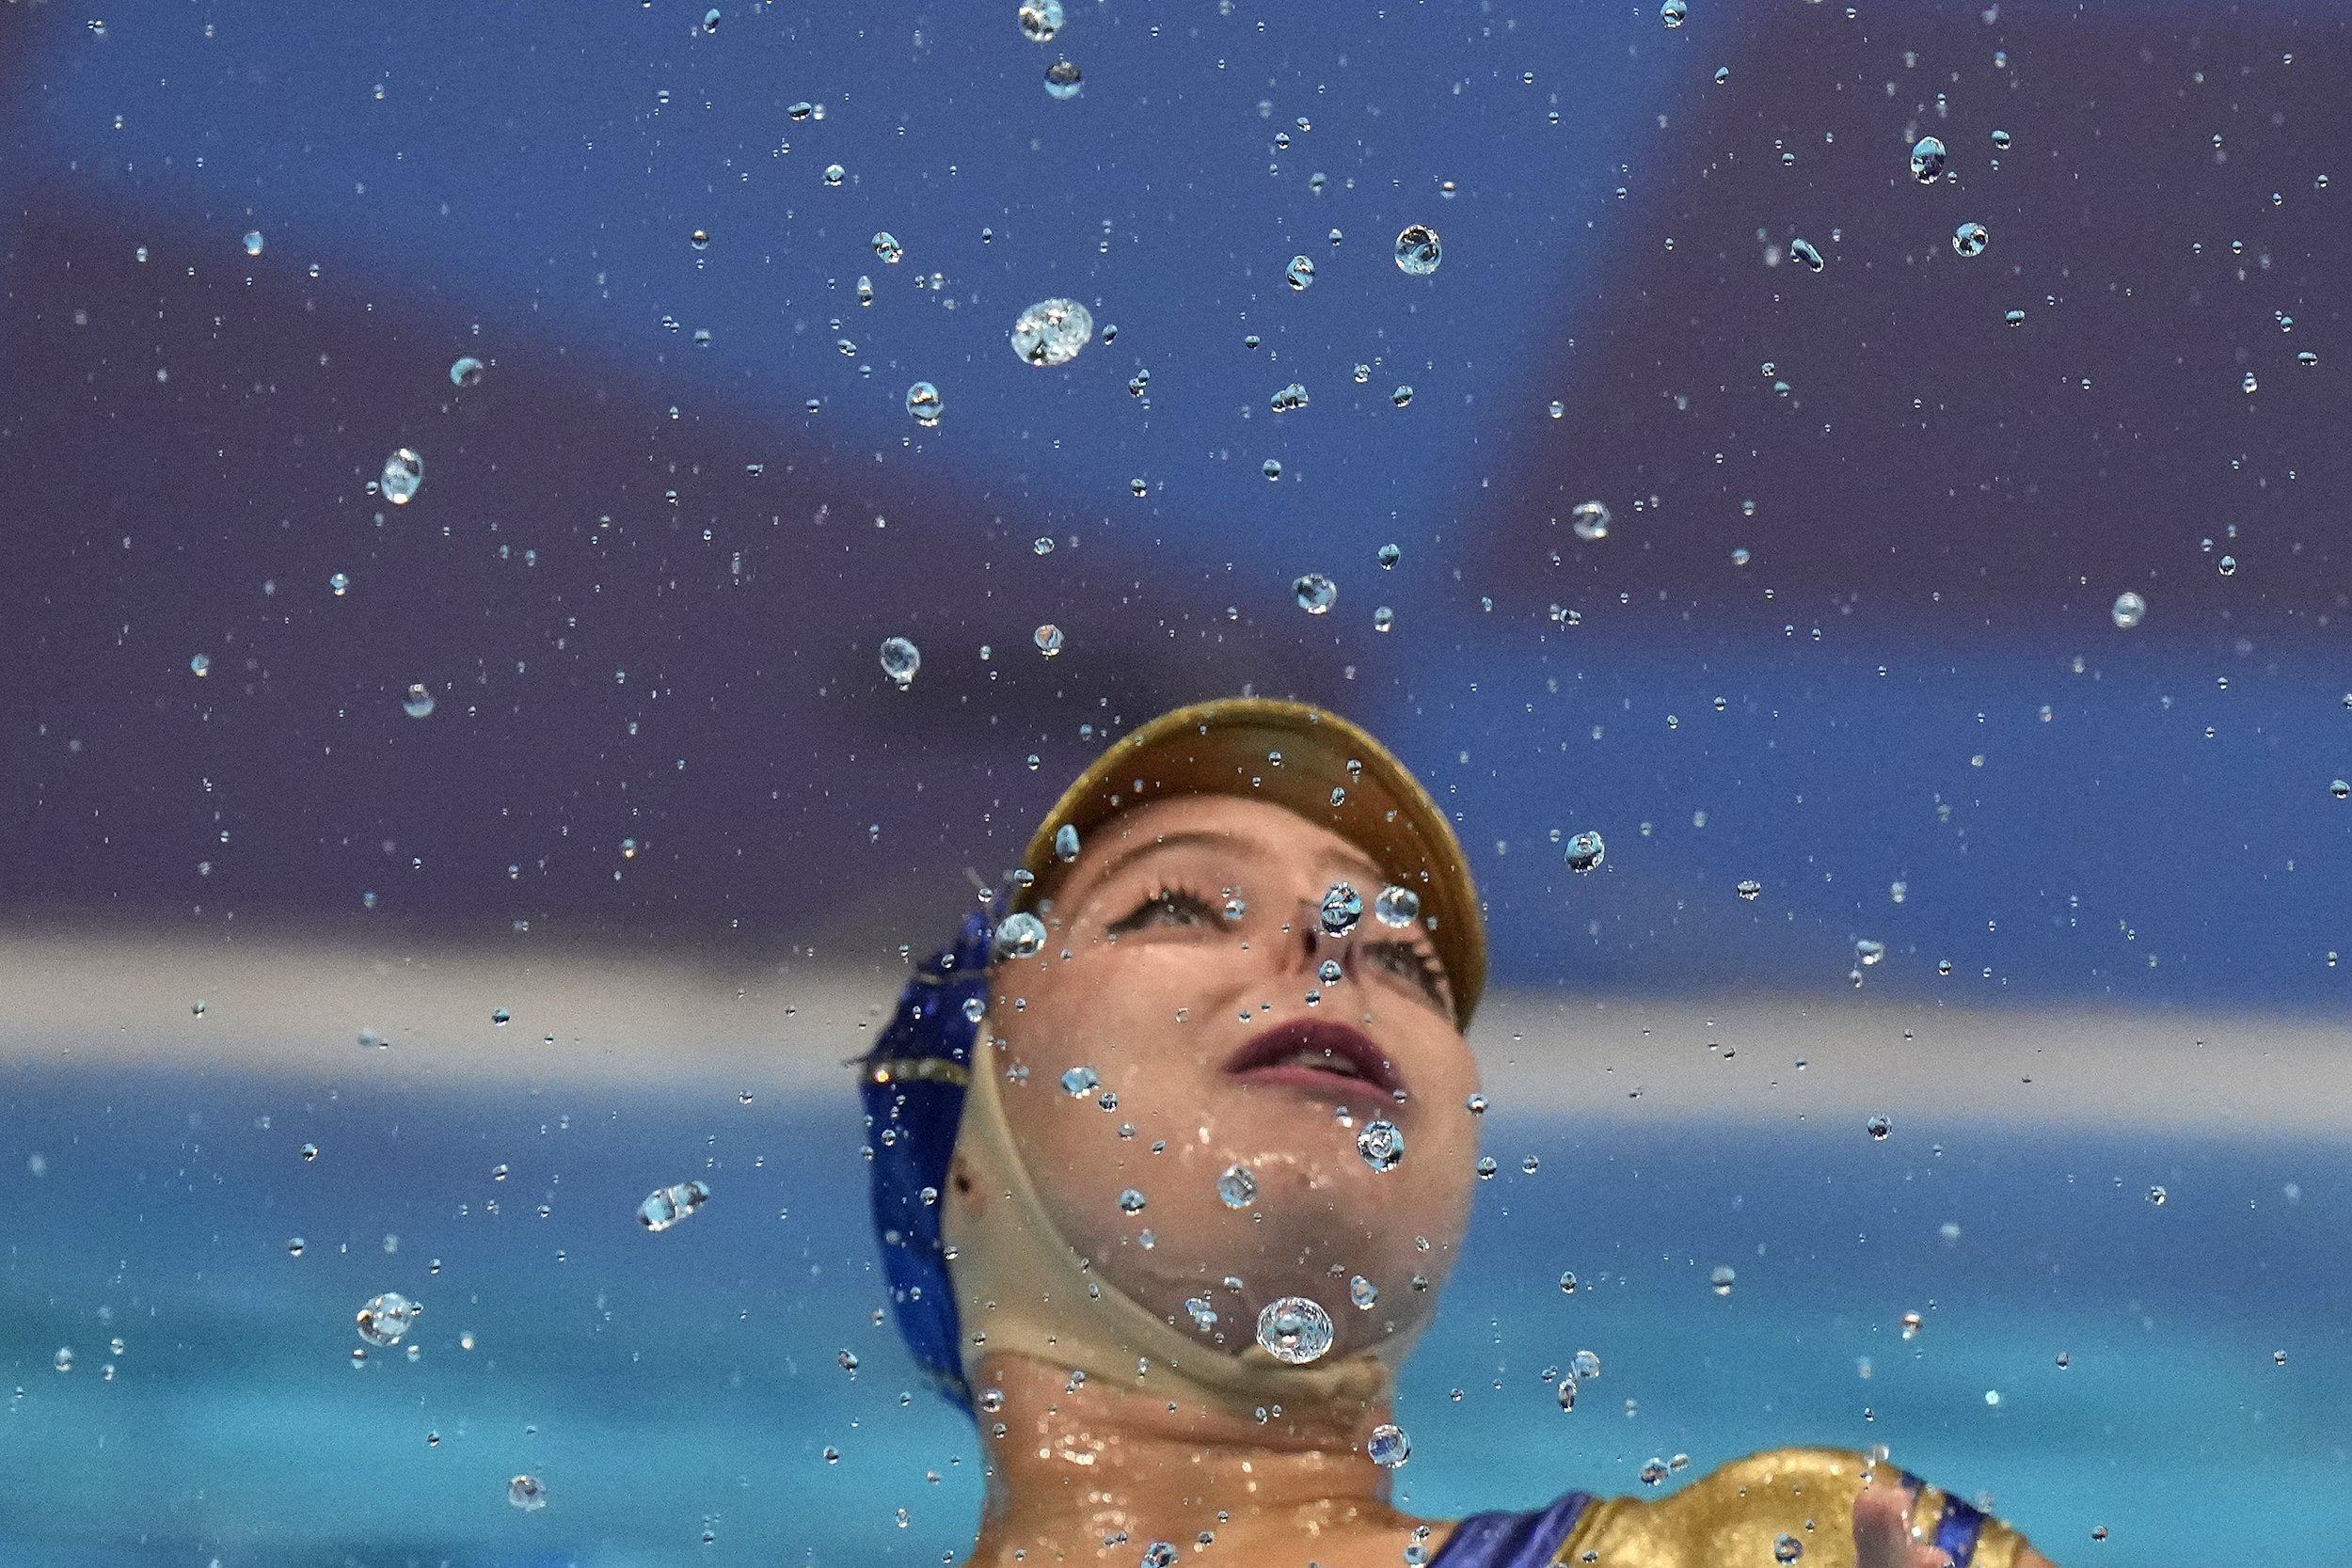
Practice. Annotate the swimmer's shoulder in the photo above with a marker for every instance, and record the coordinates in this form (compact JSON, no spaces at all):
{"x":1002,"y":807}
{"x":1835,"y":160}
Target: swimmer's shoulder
{"x":1756,"y":1509}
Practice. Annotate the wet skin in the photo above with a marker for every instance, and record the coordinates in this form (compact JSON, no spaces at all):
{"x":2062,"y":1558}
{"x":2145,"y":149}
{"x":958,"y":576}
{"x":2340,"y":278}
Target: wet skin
{"x":1182,"y":967}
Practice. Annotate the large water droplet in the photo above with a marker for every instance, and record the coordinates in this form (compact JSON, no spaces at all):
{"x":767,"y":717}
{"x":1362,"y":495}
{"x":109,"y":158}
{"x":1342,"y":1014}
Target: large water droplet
{"x":527,"y":1492}
{"x":886,"y":245}
{"x":1381,"y":1144}
{"x":1079,"y":1082}
{"x":1585,"y":851}
{"x":924,"y":404}
{"x":1019,"y":935}
{"x":1300,"y":274}
{"x":1237,"y":1187}
{"x":2130,"y":610}
{"x":1387,"y":1446}
{"x":666,"y":1206}
{"x":465,"y":371}
{"x":1927,"y":160}
{"x":1418,"y":251}
{"x":386,"y":1317}
{"x":418,"y":703}
{"x":1969,"y":238}
{"x":1786,"y":1548}
{"x":900,"y":660}
{"x":1396,"y":907}
{"x":1672,"y":12}
{"x":1315,"y":593}
{"x":1294,"y":1330}
{"x":1342,"y":906}
{"x":1040,"y":19}
{"x":1052,"y":331}
{"x":1805,"y":252}
{"x":1722,"y":1279}
{"x":1062,"y":79}
{"x":403,"y":472}
{"x":1590,"y":520}
{"x":1363,"y":1292}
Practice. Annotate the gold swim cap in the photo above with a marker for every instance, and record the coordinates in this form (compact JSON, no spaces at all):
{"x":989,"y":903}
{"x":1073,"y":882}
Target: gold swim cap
{"x":1311,"y":761}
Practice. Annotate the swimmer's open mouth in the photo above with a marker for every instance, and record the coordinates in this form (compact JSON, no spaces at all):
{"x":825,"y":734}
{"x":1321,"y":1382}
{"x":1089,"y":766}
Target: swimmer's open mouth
{"x":1312,"y":1053}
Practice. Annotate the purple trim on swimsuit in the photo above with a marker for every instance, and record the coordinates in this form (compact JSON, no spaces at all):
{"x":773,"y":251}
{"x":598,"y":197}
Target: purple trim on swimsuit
{"x":1512,"y":1540}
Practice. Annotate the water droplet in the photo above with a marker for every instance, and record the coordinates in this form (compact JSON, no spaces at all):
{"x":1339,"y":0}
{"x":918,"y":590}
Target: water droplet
{"x":1159,"y":1554}
{"x":1363,"y":1292}
{"x":666,"y":1206}
{"x":1927,"y":160}
{"x":924,"y":404}
{"x":1803,"y":250}
{"x":527,"y":1492}
{"x":309,"y":1151}
{"x":1590,"y":519}
{"x":294,"y":1247}
{"x":1328,"y":972}
{"x":2157,"y":1195}
{"x":1387,"y":1446}
{"x":1300,"y":274}
{"x":1653,"y":1471}
{"x":1672,"y":12}
{"x":1062,"y":79}
{"x":1079,"y":1082}
{"x":1396,"y":907}
{"x":1722,"y":1279}
{"x":2227,"y":565}
{"x":1052,"y":331}
{"x":1271,"y":467}
{"x":465,"y":371}
{"x":1869,"y":952}
{"x":1237,"y":1187}
{"x":1969,"y":238}
{"x":1315,"y":593}
{"x":500,"y":1018}
{"x":1418,"y":251}
{"x":1786,"y":1548}
{"x":1381,"y":1144}
{"x":1723,"y":75}
{"x":1290,"y":397}
{"x":710,"y":20}
{"x":834,"y":174}
{"x":2000,"y":141}
{"x":1389,"y":555}
{"x":1402,"y":396}
{"x":2340,"y":788}
{"x":418,"y":703}
{"x":200,"y":665}
{"x":1585,"y":851}
{"x":1048,"y":639}
{"x":886,"y":245}
{"x":386,"y":1317}
{"x":1486,"y":1168}
{"x":404,"y":473}
{"x":1294,"y":1330}
{"x":1342,"y":906}
{"x":2130,"y":610}
{"x":900,"y":660}
{"x":339,"y":584}
{"x":1750,"y":889}
{"x":1566,"y":1392}
{"x":1131,"y":1201}
{"x":1019,"y":935}
{"x":1041,"y":19}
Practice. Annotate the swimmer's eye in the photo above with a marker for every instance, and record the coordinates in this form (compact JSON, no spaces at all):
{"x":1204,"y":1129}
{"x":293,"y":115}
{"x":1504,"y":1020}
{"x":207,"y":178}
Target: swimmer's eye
{"x":1171,"y":906}
{"x":1415,"y":963}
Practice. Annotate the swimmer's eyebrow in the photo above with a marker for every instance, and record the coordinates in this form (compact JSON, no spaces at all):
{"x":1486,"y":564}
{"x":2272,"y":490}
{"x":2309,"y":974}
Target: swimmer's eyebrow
{"x":1194,"y":838}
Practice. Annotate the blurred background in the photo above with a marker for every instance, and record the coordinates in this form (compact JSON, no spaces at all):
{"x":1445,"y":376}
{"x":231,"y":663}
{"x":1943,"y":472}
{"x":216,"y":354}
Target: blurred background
{"x":1960,"y":683}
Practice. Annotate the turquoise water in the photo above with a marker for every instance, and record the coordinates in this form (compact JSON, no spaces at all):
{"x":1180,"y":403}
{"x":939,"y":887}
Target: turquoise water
{"x":665,"y":1386}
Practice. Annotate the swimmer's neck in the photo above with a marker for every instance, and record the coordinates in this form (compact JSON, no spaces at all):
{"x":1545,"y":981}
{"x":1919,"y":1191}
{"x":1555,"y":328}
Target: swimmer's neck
{"x":1077,"y":1466}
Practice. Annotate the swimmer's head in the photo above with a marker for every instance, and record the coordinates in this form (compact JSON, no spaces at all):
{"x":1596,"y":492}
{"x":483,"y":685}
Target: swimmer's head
{"x":1259,"y":948}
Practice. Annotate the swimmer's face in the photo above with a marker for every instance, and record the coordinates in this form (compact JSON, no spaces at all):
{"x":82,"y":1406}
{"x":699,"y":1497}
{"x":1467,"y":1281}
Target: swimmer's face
{"x":1186,"y":968}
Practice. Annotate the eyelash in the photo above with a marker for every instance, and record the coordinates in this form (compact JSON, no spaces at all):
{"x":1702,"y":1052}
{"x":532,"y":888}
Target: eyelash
{"x":1420,"y":965}
{"x":1169,"y":898}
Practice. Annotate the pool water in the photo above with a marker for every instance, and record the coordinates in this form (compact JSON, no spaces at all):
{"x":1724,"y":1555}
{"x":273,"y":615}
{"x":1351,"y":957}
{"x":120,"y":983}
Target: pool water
{"x":680,"y":1398}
